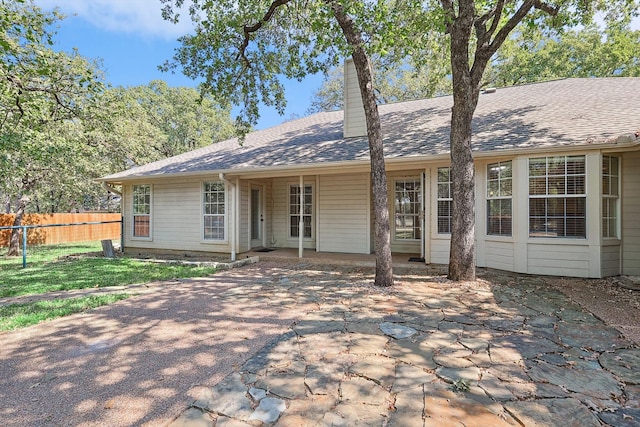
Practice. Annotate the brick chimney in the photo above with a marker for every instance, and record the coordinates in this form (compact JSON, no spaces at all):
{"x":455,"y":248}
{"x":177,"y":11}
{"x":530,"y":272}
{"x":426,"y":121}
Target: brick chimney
{"x":354,"y":121}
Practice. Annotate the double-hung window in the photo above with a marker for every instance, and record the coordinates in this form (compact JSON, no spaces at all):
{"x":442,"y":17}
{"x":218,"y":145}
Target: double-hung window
{"x":499,"y":206}
{"x":141,"y":210}
{"x":214,"y":210}
{"x":295,"y":210}
{"x":557,"y":197}
{"x":444,"y":201}
{"x":610,"y":196}
{"x":408,"y":202}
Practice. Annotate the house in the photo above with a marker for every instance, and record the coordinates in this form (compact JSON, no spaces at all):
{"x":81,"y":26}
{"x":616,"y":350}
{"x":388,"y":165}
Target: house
{"x":557,"y":182}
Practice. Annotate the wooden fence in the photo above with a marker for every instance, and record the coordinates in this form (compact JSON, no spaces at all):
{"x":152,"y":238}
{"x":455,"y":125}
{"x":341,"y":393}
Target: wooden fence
{"x":66,"y":234}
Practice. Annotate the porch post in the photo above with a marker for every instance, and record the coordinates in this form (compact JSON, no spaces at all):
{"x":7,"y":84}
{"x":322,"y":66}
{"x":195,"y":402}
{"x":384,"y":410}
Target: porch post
{"x":301,"y":223}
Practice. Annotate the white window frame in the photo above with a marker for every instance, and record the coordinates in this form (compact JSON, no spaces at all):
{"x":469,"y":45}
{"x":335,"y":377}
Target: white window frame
{"x":414,"y":213}
{"x":146,"y":213}
{"x":500,"y":191}
{"x":443,"y":196}
{"x":291,"y":215}
{"x":214,"y":205}
{"x":610,"y":197}
{"x":565,"y":196}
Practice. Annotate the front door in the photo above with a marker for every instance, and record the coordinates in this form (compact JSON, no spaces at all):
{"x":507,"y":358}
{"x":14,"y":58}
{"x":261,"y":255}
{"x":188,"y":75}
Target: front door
{"x":257,"y":217}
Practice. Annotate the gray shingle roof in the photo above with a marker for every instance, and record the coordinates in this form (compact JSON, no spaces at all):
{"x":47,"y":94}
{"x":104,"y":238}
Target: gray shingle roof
{"x":551,"y":114}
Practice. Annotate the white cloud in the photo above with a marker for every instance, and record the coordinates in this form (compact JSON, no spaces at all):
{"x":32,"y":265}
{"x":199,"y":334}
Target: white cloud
{"x":142,"y":17}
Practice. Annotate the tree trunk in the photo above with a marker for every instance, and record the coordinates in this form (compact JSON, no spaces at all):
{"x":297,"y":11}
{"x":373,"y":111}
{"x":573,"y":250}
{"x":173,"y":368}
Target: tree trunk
{"x":382,"y":235}
{"x":462,"y":262}
{"x":14,"y":242}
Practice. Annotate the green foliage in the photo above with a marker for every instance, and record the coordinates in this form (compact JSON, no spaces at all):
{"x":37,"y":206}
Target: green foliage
{"x":529,"y":55}
{"x":16,"y":316}
{"x":61,"y":126}
{"x":162,"y":121}
{"x":242,"y":50}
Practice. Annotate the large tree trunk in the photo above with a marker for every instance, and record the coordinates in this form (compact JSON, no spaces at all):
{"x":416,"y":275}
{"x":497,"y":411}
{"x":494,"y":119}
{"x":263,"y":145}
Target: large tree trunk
{"x":462,"y":262}
{"x":382,"y":235}
{"x":14,"y":242}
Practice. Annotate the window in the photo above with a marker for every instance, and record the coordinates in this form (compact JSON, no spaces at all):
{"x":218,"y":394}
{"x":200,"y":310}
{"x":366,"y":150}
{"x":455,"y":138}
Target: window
{"x":610,"y":195}
{"x":408,"y":202}
{"x":444,"y":200}
{"x":294,"y":210}
{"x":214,"y":211}
{"x":499,"y":189}
{"x":141,"y":210}
{"x":557,"y":197}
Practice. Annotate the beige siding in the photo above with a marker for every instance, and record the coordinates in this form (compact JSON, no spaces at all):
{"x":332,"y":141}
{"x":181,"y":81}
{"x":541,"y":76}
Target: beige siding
{"x":610,"y":259}
{"x":244,"y":217}
{"x":280,"y":192}
{"x":176,"y":220}
{"x":498,"y":255}
{"x":558,"y":259}
{"x":343,"y":203}
{"x":439,"y":249}
{"x":631,"y":214}
{"x":354,"y":120}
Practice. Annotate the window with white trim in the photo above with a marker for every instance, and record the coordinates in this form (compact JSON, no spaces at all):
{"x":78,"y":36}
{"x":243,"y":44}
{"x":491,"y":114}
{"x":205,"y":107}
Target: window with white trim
{"x":408,"y":201}
{"x":444,"y":201}
{"x":499,"y":205}
{"x":610,"y":196}
{"x":557,"y":197}
{"x":214,"y":210}
{"x":294,"y":211}
{"x":141,"y":208}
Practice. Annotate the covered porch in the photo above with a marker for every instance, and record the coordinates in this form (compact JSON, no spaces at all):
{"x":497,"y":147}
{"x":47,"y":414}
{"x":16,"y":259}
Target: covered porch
{"x":400,"y":260}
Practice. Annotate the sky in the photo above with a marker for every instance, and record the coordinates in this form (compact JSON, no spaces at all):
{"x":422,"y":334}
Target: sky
{"x":132,"y":40}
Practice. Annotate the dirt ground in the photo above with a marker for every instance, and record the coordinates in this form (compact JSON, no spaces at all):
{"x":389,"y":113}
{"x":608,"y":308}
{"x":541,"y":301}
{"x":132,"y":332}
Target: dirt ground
{"x":615,"y":300}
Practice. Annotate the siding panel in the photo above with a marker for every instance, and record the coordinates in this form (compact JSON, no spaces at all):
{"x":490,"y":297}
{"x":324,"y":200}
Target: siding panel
{"x":558,"y":260}
{"x":499,"y":255}
{"x":631,"y":214}
{"x":343,"y":213}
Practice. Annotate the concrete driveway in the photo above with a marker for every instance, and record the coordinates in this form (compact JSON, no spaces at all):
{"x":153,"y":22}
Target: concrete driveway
{"x":302,"y":345}
{"x":139,"y":361}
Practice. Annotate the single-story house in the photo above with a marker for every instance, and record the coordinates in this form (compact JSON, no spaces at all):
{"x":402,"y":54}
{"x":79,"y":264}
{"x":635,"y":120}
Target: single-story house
{"x":557,"y":182}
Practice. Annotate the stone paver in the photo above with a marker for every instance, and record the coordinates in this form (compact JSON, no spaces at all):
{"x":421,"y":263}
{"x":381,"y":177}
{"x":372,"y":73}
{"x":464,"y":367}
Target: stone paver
{"x":430,"y":353}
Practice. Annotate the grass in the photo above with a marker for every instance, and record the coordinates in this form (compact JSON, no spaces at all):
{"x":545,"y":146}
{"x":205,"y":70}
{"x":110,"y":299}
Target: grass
{"x":22,"y":315}
{"x":51,"y":269}
{"x":81,"y":273}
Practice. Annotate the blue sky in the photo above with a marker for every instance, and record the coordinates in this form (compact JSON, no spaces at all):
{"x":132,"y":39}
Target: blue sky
{"x":131,"y":39}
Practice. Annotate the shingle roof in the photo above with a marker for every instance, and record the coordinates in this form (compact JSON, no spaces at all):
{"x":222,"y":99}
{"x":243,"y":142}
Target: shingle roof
{"x":551,"y":114}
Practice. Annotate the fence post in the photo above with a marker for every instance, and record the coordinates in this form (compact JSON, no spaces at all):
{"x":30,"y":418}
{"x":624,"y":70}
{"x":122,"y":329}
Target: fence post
{"x":24,"y":246}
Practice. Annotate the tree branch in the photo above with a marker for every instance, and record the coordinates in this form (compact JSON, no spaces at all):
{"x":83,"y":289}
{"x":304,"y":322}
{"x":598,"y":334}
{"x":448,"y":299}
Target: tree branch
{"x":250,"y":29}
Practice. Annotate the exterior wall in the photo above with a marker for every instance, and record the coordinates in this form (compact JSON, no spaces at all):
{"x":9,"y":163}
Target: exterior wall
{"x":280,"y":217}
{"x":354,"y":119}
{"x":610,"y":259}
{"x":243,"y":243}
{"x":437,"y":245}
{"x":343,"y":214}
{"x":556,"y":259}
{"x":176,"y":218}
{"x":631,"y":214}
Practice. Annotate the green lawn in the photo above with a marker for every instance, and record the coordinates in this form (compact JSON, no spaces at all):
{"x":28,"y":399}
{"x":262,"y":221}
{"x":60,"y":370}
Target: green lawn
{"x":80,"y":273}
{"x":51,"y":269}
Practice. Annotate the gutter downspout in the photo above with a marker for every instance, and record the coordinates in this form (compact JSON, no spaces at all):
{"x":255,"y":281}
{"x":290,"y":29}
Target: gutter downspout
{"x":232,"y":237}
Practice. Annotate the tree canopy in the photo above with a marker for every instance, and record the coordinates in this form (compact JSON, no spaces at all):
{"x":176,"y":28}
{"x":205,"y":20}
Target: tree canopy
{"x":529,"y":55}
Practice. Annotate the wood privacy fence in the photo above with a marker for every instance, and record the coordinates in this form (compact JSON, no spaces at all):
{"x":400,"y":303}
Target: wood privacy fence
{"x":63,"y":234}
